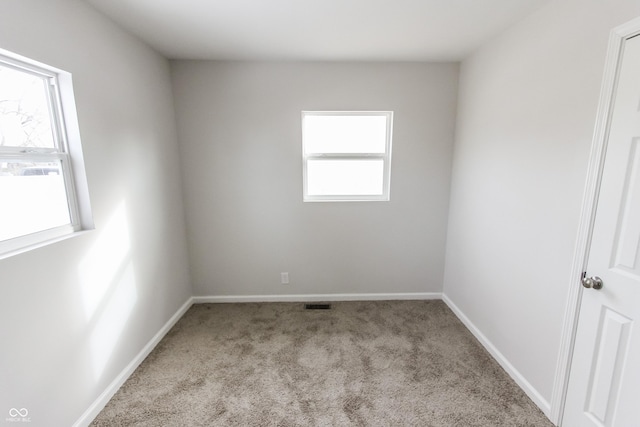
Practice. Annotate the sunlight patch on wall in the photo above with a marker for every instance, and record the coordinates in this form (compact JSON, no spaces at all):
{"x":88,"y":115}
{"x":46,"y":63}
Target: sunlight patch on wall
{"x":104,"y":261}
{"x":112,"y":320}
{"x":108,"y":288}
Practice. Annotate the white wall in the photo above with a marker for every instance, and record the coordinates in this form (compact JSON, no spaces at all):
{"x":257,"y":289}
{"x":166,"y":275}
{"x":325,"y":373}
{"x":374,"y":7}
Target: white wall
{"x":240,"y":140}
{"x":74,"y":314}
{"x":526,"y":114}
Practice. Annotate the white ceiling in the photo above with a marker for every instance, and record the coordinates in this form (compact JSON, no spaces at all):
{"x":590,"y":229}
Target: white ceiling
{"x":325,"y":30}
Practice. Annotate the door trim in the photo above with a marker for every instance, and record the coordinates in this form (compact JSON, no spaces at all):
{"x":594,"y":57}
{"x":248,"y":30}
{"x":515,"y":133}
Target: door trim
{"x":589,"y":200}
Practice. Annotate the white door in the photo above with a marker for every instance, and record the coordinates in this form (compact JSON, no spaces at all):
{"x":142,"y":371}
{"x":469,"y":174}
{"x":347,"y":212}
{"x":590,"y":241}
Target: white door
{"x":604,"y":382}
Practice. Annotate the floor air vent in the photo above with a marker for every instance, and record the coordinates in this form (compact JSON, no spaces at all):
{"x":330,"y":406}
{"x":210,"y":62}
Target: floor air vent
{"x":317,"y":306}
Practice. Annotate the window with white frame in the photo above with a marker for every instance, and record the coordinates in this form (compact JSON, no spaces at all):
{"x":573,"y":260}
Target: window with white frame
{"x":43,"y":191}
{"x":346,"y":155}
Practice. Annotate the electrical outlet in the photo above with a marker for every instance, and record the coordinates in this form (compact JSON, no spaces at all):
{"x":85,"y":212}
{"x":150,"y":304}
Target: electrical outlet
{"x":284,"y":278}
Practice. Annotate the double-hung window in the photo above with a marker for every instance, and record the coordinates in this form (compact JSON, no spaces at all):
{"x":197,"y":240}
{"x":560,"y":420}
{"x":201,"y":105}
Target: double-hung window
{"x":43,"y":194}
{"x":346,"y":155}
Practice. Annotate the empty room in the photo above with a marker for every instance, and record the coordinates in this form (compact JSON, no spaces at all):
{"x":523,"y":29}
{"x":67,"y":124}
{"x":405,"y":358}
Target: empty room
{"x":319,"y":213}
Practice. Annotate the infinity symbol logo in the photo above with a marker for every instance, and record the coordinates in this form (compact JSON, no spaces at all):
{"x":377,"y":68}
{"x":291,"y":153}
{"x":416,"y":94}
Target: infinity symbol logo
{"x":13,"y":412}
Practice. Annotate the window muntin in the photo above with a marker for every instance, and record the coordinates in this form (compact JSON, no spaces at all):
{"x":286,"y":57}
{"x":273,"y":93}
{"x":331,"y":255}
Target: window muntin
{"x":39,"y":144}
{"x":346,"y":155}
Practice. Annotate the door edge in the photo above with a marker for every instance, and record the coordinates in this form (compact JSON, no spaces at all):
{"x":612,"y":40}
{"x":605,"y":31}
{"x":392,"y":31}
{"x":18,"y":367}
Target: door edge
{"x":617,"y":38}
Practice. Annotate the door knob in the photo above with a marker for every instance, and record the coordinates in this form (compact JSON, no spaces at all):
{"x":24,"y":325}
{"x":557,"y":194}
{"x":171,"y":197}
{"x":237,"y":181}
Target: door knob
{"x":592,"y":282}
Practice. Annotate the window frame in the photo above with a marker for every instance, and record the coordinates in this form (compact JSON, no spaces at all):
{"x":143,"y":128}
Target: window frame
{"x":385,"y":157}
{"x":67,"y":151}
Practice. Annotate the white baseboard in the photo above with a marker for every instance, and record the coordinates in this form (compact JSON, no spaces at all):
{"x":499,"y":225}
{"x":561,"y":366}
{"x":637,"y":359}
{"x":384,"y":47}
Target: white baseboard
{"x":533,"y":394}
{"x":108,"y":393}
{"x":111,"y":390}
{"x":316,"y":297}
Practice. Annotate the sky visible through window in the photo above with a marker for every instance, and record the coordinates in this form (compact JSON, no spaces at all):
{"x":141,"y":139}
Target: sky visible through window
{"x":24,"y":110}
{"x":346,"y":155}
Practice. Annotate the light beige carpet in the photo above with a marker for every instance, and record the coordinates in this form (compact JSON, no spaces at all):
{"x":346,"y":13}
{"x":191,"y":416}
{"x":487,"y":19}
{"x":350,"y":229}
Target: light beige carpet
{"x":389,"y":363}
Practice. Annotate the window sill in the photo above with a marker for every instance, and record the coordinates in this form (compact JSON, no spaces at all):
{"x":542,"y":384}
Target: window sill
{"x":12,"y":252}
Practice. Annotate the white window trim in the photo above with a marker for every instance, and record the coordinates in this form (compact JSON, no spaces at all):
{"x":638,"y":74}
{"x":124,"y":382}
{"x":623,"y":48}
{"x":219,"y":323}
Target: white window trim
{"x":385,"y":157}
{"x":66,"y":131}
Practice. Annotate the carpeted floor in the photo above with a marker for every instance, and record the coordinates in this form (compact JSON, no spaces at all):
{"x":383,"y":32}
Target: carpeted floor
{"x":383,"y":363}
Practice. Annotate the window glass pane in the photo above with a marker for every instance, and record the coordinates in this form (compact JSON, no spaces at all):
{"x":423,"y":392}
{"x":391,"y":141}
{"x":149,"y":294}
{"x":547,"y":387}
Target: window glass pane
{"x":33,"y":198}
{"x":342,"y":134}
{"x":345,"y":177}
{"x":24,"y":110}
